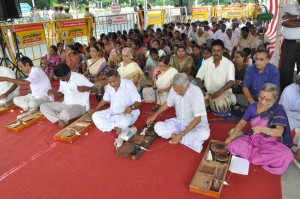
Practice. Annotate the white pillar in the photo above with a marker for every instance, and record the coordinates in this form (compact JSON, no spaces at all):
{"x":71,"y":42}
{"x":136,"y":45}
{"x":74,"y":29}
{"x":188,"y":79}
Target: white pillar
{"x":33,"y":3}
{"x":145,"y":14}
{"x":278,"y":32}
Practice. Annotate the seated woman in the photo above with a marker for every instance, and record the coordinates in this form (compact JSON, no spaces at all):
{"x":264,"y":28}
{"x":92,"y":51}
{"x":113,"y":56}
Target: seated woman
{"x":49,"y":61}
{"x":139,"y":53}
{"x":240,"y":70}
{"x":182,"y":62}
{"x":163,"y":81}
{"x":108,"y":46}
{"x":115,"y":56}
{"x":129,"y":69}
{"x":197,"y":57}
{"x":152,"y":62}
{"x":73,"y":58}
{"x":269,"y":141}
{"x":61,"y":51}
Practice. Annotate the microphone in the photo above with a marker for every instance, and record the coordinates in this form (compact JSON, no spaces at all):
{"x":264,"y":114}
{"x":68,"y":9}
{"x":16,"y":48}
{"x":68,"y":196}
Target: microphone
{"x":156,"y":76}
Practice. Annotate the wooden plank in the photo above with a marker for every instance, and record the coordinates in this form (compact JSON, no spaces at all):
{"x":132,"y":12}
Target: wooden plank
{"x":28,"y":120}
{"x":7,"y":107}
{"x":75,"y":130}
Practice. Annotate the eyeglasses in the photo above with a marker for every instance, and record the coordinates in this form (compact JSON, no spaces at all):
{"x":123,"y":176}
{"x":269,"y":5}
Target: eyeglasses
{"x":268,"y":101}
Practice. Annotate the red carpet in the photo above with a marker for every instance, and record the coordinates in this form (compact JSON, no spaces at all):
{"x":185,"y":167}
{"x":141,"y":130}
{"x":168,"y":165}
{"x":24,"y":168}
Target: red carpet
{"x":34,"y":166}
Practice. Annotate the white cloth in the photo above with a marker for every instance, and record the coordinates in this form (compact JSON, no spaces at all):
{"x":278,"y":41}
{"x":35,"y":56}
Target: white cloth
{"x":5,"y":86}
{"x":290,"y":100}
{"x":55,"y":111}
{"x":211,"y":33}
{"x":226,"y":71}
{"x":219,"y":34}
{"x":291,"y":33}
{"x":125,"y":96}
{"x":39,"y":83}
{"x":71,"y":94}
{"x":27,"y":102}
{"x":237,"y":32}
{"x":229,"y":43}
{"x":188,"y":107}
{"x":160,"y":53}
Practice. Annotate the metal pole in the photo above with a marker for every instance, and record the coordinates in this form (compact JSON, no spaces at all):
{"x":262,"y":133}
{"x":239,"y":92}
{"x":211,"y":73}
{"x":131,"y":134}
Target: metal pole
{"x":32,"y":3}
{"x":145,"y":14}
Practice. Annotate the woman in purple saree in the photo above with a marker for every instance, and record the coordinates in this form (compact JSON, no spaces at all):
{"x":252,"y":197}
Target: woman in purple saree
{"x":269,"y":141}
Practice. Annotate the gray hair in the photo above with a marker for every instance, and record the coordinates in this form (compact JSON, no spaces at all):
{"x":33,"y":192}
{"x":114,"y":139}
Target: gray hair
{"x":272,"y":88}
{"x":180,"y":79}
{"x":128,"y":50}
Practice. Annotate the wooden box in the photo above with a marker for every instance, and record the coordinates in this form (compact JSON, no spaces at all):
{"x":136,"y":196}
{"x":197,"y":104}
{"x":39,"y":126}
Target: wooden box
{"x":22,"y":123}
{"x":133,"y":148}
{"x":210,"y":175}
{"x":76,"y":129}
{"x":8,"y":106}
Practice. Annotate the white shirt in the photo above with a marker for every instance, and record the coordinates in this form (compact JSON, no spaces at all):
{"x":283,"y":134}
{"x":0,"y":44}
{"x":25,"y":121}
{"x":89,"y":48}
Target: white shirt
{"x":71,"y":94}
{"x":39,"y":83}
{"x":216,"y":77}
{"x":237,"y":32}
{"x":192,"y":35}
{"x":211,"y":33}
{"x":189,"y":106}
{"x":291,"y":33}
{"x":160,"y":53}
{"x":219,"y":34}
{"x":290,"y":100}
{"x":125,"y":96}
{"x":229,"y":43}
{"x":5,"y":86}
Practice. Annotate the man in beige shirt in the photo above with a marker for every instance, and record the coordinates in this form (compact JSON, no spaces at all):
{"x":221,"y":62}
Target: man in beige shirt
{"x":67,"y":13}
{"x":246,"y":40}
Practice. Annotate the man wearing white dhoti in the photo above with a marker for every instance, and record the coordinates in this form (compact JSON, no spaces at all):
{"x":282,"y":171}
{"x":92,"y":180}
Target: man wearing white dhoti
{"x":190,"y":127}
{"x":8,"y":90}
{"x":75,"y":89}
{"x":37,"y":80}
{"x":290,"y":100}
{"x":124,"y":103}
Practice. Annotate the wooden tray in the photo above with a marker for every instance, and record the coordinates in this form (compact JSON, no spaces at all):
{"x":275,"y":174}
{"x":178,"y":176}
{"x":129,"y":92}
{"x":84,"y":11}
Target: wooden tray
{"x":4,"y":108}
{"x":76,"y":129}
{"x":210,"y":175}
{"x":28,"y":120}
{"x":132,"y":148}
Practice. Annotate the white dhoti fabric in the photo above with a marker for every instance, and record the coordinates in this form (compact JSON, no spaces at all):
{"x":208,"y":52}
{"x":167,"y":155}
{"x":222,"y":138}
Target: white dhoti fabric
{"x":55,"y":111}
{"x":28,"y":102}
{"x":9,"y":98}
{"x":106,"y":120}
{"x":231,"y":96}
{"x":194,"y":139}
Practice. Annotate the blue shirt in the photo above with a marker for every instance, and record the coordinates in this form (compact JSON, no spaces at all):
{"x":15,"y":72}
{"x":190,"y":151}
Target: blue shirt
{"x":254,"y":80}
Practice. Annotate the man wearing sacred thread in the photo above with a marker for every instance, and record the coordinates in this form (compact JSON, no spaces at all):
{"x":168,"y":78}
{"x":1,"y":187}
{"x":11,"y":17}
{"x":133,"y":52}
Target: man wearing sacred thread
{"x":190,"y":127}
{"x":124,"y":104}
{"x":75,"y":89}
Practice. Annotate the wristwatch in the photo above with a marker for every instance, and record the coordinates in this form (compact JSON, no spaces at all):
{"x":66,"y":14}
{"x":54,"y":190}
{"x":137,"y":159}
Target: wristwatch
{"x":132,"y":107}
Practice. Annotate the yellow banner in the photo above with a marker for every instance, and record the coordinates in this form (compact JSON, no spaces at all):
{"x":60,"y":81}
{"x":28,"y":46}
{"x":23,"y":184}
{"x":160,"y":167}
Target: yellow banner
{"x":232,"y":12}
{"x":73,"y":28}
{"x":27,"y":36}
{"x":155,"y":17}
{"x":200,"y":13}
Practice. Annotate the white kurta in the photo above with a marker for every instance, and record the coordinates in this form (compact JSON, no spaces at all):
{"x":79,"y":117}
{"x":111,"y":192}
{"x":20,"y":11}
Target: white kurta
{"x":75,"y":103}
{"x":124,"y":97}
{"x":39,"y":85}
{"x":188,"y":107}
{"x":5,"y":86}
{"x":216,"y":77}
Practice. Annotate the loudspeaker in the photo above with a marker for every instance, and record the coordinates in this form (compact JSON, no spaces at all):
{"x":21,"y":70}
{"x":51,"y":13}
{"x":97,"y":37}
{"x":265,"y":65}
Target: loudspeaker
{"x":10,"y":9}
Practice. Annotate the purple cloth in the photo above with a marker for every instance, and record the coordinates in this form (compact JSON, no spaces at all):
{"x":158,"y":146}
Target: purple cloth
{"x":254,"y":80}
{"x":272,"y":153}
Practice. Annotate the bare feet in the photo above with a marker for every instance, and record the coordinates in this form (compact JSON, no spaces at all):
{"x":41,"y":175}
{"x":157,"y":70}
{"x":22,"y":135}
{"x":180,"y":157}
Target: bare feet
{"x":62,"y":123}
{"x":118,"y":130}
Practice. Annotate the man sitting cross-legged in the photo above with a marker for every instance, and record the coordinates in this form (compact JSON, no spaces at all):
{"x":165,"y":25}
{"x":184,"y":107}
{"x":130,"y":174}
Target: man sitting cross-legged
{"x":124,"y":103}
{"x":74,"y":88}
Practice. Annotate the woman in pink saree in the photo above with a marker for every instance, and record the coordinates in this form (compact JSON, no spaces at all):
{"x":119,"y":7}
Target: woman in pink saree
{"x":269,"y":141}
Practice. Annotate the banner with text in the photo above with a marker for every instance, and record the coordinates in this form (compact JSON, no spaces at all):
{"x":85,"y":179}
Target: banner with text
{"x":27,"y":36}
{"x":74,"y":28}
{"x":200,"y":13}
{"x":155,"y":17}
{"x":231,"y":12}
{"x":115,"y":20}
